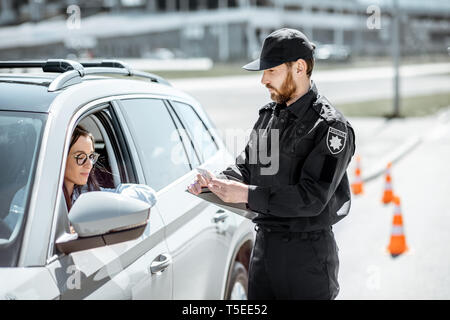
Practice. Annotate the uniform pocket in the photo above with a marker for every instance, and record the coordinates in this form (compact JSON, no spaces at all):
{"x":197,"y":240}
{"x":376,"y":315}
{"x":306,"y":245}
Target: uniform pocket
{"x":327,"y":251}
{"x":320,"y":250}
{"x":307,"y":272}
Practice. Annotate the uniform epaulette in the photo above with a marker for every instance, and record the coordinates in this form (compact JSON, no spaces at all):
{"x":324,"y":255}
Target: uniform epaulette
{"x":268,"y":107}
{"x":326,"y":111}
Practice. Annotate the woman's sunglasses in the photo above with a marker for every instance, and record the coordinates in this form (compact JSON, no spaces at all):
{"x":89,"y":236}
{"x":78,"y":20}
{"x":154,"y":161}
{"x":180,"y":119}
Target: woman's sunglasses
{"x":81,"y":158}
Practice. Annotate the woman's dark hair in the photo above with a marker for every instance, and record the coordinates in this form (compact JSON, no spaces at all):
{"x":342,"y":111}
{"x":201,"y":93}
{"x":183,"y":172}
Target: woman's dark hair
{"x":79,"y":131}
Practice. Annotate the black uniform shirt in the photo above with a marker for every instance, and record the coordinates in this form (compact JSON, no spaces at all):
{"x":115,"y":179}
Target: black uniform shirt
{"x":308,"y":189}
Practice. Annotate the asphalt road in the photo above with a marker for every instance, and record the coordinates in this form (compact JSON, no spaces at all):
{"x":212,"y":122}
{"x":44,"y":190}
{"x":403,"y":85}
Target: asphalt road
{"x":421,"y":179}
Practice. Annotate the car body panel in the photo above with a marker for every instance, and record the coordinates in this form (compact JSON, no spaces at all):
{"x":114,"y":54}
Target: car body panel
{"x":245,"y":232}
{"x":116,"y":271}
{"x":27,"y":284}
{"x":198,"y":245}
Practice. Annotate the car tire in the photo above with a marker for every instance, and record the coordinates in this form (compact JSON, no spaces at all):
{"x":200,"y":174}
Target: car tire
{"x":238,"y":287}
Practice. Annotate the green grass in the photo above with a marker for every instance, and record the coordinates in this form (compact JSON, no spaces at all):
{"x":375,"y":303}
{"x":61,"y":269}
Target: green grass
{"x":416,"y":106}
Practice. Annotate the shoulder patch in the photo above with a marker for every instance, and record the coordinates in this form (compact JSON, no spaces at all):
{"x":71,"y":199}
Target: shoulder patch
{"x":268,"y":107}
{"x":336,"y":140}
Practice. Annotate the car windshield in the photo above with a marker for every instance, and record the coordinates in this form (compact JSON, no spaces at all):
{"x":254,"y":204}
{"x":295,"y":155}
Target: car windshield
{"x":20,"y":133}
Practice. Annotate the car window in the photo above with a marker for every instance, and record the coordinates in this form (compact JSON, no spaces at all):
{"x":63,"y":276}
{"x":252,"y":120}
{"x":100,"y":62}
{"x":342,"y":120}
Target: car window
{"x":105,"y":174}
{"x":160,"y":148}
{"x":20,"y":134}
{"x":205,"y":144}
{"x":191,"y":151}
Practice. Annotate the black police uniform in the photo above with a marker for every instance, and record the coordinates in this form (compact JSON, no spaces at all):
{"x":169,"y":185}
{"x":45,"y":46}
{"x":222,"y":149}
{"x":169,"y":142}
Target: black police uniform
{"x":295,"y":255}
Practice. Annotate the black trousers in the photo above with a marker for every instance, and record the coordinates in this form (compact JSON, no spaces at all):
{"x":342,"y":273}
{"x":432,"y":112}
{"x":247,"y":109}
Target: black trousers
{"x":294,"y":266}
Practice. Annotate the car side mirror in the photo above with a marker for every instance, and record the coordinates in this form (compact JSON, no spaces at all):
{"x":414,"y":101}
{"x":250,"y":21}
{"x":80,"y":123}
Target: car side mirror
{"x":102,"y":218}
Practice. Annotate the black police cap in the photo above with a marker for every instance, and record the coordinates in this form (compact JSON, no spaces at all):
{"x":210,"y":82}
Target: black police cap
{"x":283,"y":45}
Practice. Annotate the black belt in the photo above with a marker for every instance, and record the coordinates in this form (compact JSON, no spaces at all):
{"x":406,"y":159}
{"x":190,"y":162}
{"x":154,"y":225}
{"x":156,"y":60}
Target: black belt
{"x":288,"y":234}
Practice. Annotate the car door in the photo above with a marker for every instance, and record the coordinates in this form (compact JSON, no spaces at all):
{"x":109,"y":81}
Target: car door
{"x":220,"y":227}
{"x":197,"y":233}
{"x":136,"y":269}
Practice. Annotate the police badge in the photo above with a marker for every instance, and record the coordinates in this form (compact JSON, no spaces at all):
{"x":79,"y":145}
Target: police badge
{"x":336,"y":140}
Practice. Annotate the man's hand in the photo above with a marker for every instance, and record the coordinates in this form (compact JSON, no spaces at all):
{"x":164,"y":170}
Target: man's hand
{"x":199,"y":182}
{"x":229,"y":191}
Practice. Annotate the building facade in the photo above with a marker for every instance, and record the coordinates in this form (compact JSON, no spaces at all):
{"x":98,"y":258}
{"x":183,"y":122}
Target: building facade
{"x":223,"y":30}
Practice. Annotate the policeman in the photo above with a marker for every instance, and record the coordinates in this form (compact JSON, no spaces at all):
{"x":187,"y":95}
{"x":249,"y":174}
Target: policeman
{"x":303,"y":189}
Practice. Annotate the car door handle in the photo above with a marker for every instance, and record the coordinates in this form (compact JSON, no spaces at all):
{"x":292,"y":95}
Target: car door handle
{"x":160,"y":263}
{"x":220,"y":216}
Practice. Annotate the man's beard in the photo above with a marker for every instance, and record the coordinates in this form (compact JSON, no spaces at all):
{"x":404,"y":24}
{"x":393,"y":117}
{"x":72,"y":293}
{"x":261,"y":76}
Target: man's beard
{"x":285,"y":93}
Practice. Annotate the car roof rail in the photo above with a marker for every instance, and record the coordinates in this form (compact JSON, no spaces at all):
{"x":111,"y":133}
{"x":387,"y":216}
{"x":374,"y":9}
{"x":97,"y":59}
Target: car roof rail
{"x":50,"y":65}
{"x":73,"y":71}
{"x":121,"y":65}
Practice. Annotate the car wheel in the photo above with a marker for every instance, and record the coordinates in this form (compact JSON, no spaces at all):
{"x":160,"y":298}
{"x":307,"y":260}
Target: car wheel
{"x":238,"y":288}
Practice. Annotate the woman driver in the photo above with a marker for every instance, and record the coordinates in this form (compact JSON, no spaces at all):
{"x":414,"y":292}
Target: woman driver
{"x":79,"y":176}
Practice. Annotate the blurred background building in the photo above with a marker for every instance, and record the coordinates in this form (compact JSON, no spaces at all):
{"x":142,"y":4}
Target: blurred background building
{"x":222,"y":30}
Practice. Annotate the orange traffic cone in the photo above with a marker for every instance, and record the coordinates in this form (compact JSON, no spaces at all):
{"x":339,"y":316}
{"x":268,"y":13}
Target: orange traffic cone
{"x":388,"y":194}
{"x":397,"y":244}
{"x":357,"y":186}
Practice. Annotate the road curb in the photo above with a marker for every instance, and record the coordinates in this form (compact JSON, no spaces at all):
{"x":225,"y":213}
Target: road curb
{"x":408,"y":146}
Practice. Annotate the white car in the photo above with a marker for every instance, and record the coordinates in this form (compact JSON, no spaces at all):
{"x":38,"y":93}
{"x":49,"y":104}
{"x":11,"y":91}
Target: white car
{"x":181,"y":248}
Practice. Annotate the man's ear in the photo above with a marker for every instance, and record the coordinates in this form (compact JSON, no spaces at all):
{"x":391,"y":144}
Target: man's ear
{"x":300,"y":66}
